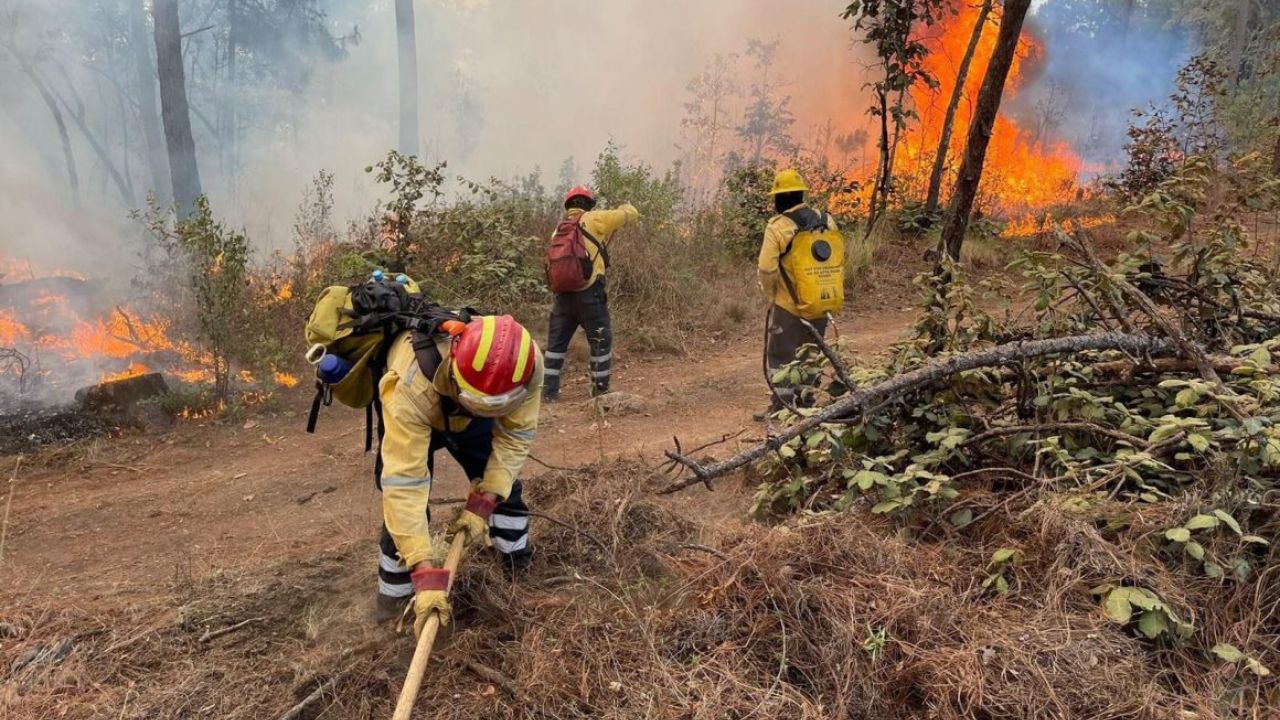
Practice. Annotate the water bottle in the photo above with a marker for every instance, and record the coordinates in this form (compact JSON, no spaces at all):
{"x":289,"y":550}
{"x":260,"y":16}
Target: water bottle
{"x":332,"y":369}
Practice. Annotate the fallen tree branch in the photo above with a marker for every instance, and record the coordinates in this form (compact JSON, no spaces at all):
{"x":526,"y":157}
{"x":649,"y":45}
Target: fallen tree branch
{"x":672,"y":464}
{"x":549,"y":466}
{"x":858,"y":401}
{"x":1227,"y":397}
{"x":1128,"y":368}
{"x":832,"y":356}
{"x":296,"y":712}
{"x":212,"y":634}
{"x":487,"y":673}
{"x":326,"y":687}
{"x":1058,"y":427}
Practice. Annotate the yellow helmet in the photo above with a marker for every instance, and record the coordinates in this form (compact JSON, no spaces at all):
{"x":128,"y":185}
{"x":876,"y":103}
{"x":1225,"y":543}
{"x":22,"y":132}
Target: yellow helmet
{"x":788,"y":181}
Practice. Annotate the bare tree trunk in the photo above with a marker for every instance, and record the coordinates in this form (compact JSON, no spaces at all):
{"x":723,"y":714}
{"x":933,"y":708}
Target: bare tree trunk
{"x":145,"y":71}
{"x":953,"y":105}
{"x":406,"y":42}
{"x":881,"y":188}
{"x":984,"y":119}
{"x":73,"y":177}
{"x":104,"y":156}
{"x":1238,"y":41}
{"x":1126,"y":18}
{"x":175,"y":113}
{"x":227,"y":119}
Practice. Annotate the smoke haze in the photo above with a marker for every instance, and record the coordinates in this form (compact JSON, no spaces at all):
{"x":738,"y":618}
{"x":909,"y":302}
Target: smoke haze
{"x":506,"y":88}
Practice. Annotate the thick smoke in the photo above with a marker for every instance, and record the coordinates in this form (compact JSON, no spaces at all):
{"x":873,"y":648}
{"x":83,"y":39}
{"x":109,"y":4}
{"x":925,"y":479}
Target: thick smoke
{"x":507,"y":88}
{"x":1097,"y":67}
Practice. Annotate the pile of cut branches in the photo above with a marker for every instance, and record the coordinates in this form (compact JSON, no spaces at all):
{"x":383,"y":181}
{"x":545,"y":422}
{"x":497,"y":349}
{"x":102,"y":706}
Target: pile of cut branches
{"x":1115,"y":392}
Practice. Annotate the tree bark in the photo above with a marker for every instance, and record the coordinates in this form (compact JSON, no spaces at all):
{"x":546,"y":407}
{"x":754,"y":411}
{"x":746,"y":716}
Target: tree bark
{"x":407,"y":46}
{"x":984,"y":119}
{"x":1238,"y":41}
{"x":117,"y":178}
{"x":953,"y":105}
{"x":859,"y":401}
{"x":227,"y":119}
{"x":175,"y":113}
{"x":883,"y":172}
{"x":145,"y":71}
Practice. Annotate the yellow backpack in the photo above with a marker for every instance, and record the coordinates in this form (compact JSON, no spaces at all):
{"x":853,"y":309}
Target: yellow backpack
{"x":812,"y":265}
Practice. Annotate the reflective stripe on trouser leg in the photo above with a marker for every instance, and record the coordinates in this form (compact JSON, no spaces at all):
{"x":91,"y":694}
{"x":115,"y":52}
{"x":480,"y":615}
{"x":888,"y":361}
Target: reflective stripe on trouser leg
{"x":509,"y":525}
{"x":393,"y":576}
{"x":600,"y":339}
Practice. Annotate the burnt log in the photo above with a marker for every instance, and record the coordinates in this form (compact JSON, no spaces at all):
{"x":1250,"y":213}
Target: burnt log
{"x":121,"y":401}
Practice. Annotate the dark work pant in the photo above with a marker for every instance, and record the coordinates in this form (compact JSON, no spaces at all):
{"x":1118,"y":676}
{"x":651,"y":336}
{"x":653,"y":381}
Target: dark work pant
{"x":588,"y":309}
{"x":787,"y":334}
{"x":508,"y":526}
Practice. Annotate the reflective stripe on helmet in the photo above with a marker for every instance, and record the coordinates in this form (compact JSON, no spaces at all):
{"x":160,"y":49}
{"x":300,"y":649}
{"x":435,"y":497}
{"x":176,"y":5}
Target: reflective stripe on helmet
{"x":488,"y":323}
{"x":522,"y":361}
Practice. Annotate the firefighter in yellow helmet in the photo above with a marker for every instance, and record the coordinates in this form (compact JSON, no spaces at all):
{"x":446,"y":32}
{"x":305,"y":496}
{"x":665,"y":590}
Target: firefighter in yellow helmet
{"x":801,"y":271}
{"x":475,"y":393}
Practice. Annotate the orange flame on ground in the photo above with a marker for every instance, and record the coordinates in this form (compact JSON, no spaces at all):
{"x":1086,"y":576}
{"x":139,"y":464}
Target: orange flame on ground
{"x":1029,"y":226}
{"x":11,"y":331}
{"x":284,"y":379}
{"x":134,"y":370}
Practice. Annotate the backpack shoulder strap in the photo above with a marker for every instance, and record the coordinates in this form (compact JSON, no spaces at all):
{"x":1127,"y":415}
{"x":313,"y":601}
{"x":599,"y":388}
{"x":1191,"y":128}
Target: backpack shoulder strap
{"x":798,"y":217}
{"x":601,"y":249}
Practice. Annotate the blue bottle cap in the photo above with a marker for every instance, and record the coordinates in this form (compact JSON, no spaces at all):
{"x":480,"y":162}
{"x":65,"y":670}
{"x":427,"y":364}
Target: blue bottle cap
{"x":402,"y":279}
{"x":377,"y":276}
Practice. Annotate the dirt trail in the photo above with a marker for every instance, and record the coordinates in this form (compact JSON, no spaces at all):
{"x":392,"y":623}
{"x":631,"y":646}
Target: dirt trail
{"x":151,"y":511}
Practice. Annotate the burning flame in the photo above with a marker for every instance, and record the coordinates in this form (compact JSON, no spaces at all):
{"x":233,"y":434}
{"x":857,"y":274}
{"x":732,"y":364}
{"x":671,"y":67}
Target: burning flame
{"x":72,"y":338}
{"x":11,"y":331}
{"x":1025,"y":170}
{"x":134,"y":370}
{"x":1030,"y":225}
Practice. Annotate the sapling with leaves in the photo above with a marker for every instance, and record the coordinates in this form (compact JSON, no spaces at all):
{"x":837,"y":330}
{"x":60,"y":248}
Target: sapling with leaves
{"x":1199,"y":540}
{"x":892,"y":28}
{"x":410,"y":182}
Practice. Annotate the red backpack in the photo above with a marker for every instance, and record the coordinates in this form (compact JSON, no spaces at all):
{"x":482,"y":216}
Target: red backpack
{"x":569,"y":264}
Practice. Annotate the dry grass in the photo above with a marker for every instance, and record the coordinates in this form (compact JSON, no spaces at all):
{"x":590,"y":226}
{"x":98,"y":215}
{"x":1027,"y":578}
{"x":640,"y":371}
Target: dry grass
{"x":626,"y":615}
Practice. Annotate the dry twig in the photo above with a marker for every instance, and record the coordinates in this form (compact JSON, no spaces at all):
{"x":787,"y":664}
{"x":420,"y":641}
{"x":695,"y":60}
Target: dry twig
{"x":212,"y":634}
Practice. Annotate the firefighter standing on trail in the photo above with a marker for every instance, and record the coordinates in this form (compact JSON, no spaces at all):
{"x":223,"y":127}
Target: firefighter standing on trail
{"x":577,"y":260}
{"x":801,"y":270}
{"x":481,"y":404}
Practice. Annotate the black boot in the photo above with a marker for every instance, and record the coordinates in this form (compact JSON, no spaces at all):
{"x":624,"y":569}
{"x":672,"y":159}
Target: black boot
{"x":387,"y":608}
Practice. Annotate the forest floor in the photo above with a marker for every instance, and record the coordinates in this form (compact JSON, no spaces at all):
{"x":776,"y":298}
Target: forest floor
{"x":116,"y":562}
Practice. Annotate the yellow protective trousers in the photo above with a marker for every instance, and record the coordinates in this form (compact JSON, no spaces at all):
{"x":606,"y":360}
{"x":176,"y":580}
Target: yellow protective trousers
{"x":413,"y":429}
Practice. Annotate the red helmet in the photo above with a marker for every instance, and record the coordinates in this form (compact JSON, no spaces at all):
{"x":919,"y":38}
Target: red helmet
{"x":492,"y":362}
{"x":580,"y":191}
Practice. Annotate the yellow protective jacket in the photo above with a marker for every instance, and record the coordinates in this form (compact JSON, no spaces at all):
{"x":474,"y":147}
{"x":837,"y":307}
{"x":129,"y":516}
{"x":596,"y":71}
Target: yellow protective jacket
{"x":602,"y":224}
{"x":411,"y":409}
{"x":777,"y":234}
